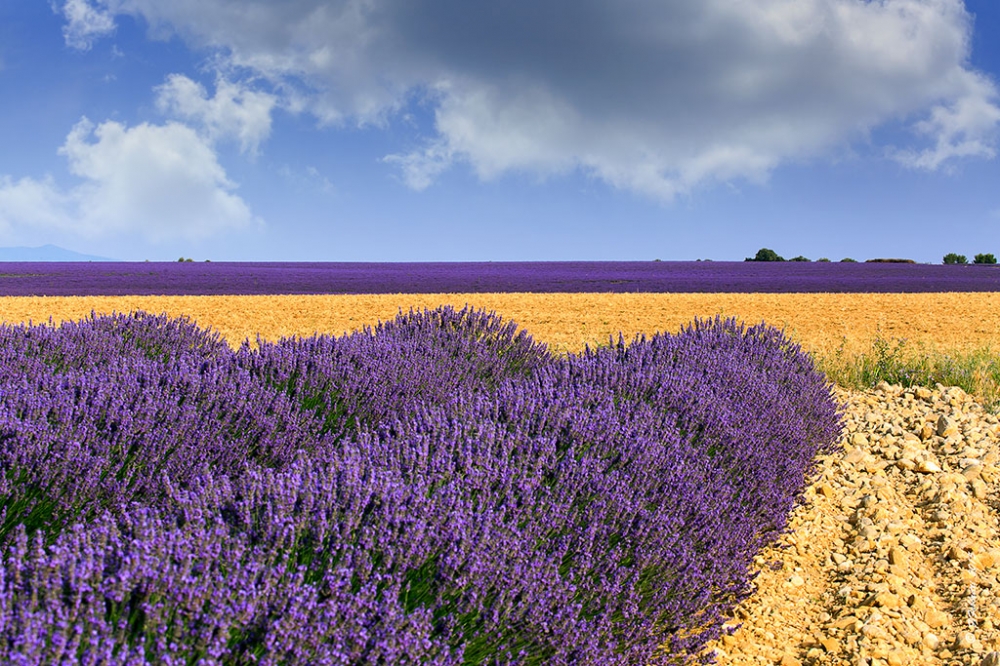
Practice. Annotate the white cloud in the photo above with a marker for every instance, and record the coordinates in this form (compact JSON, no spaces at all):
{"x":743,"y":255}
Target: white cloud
{"x":157,"y":181}
{"x":654,"y":97}
{"x":85,"y":24}
{"x":965,"y":127}
{"x":420,"y":168}
{"x":235,"y":112}
{"x":33,"y":202}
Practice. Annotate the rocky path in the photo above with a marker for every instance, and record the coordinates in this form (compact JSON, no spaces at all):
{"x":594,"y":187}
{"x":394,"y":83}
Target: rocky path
{"x":894,"y":554}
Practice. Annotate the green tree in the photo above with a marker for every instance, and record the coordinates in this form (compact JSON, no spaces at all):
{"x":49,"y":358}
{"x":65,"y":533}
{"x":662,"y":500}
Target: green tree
{"x":848,"y":260}
{"x":984,"y":259}
{"x":952,"y":258}
{"x":766,"y":254}
{"x":799,"y":258}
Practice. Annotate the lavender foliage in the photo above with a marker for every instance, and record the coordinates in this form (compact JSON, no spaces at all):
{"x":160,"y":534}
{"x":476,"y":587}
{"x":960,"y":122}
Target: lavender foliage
{"x":228,"y":278}
{"x":438,"y":490}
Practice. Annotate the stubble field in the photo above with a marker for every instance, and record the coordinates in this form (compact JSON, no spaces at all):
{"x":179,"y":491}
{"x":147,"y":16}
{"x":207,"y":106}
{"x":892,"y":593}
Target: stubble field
{"x":821,"y":323}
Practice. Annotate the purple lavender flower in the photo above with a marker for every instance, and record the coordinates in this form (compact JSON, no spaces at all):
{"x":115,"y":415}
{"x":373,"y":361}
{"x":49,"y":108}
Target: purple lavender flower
{"x":438,"y":490}
{"x":229,"y":278}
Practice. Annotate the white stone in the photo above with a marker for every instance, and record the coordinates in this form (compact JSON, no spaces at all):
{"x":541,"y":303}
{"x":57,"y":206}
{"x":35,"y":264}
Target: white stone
{"x":928,"y":467}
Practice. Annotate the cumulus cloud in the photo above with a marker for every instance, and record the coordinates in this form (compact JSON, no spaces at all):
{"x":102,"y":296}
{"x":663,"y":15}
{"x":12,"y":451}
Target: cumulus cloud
{"x":654,"y":97}
{"x":234,"y":112}
{"x":420,"y":168}
{"x":29,"y":201}
{"x":964,"y":127}
{"x":85,"y":23}
{"x":158,"y":181}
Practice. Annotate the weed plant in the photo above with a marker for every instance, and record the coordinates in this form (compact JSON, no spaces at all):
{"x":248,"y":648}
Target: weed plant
{"x":894,"y":360}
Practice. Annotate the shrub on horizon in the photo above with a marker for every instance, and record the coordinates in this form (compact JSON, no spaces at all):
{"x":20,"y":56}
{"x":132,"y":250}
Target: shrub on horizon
{"x":848,"y":260}
{"x":984,"y":259}
{"x":800,"y":258}
{"x":823,"y":260}
{"x":766,"y":254}
{"x":952,"y":258}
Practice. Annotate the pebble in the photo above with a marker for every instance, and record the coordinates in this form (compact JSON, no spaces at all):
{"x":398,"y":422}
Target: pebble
{"x":928,"y":467}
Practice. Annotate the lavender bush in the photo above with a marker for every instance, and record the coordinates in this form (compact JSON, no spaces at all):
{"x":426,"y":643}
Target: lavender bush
{"x":438,"y":490}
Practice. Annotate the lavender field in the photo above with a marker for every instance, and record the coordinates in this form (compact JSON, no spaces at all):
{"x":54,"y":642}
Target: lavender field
{"x":438,"y":490}
{"x":195,"y":278}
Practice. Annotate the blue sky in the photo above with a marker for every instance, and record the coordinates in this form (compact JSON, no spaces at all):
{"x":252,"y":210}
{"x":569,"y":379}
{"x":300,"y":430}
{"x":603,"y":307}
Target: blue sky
{"x":445,"y":130}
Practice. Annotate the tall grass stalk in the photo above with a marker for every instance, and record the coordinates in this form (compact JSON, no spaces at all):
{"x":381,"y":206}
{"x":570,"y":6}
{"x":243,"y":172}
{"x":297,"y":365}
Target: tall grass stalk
{"x":977,"y":371}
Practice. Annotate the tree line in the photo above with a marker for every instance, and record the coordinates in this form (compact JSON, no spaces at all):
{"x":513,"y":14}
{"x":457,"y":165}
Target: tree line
{"x":952,"y":258}
{"x":767,"y":254}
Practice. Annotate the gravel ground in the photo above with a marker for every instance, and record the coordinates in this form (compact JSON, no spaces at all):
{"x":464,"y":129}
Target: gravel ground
{"x":894,"y":553}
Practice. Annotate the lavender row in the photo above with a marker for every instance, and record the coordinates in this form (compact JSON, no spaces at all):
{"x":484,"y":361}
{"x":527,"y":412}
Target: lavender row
{"x":183,"y":278}
{"x":437,"y":490}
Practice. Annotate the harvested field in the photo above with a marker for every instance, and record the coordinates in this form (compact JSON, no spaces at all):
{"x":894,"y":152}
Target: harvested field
{"x":821,"y":323}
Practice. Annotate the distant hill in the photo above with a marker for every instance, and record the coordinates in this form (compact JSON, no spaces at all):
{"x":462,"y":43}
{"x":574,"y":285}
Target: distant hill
{"x":46,"y":253}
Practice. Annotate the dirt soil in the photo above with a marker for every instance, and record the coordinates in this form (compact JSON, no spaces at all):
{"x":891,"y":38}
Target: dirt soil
{"x":893,"y":556}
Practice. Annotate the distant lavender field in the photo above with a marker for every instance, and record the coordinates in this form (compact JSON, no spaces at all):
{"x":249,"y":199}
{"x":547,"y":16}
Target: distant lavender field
{"x":189,"y":278}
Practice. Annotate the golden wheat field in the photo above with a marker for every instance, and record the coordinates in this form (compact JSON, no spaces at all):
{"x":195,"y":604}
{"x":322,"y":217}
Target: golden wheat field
{"x":821,"y":323}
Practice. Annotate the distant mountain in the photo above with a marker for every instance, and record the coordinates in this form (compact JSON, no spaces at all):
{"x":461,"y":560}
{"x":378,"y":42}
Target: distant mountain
{"x":46,"y":253}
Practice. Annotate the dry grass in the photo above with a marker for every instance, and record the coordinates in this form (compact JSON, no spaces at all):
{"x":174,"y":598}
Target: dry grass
{"x":857,"y":338}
